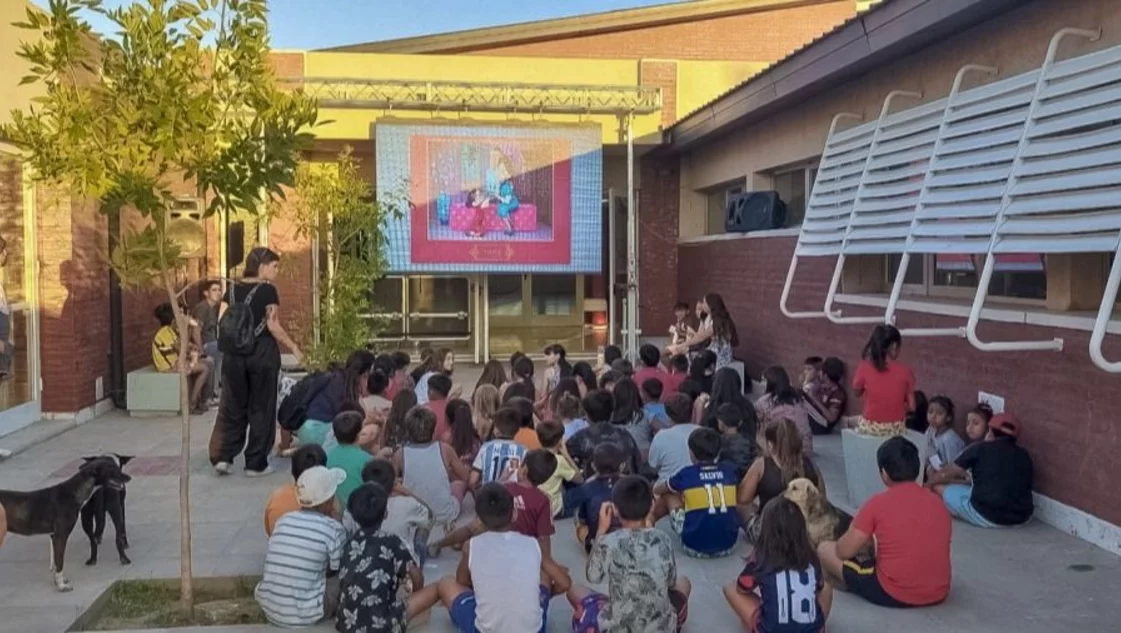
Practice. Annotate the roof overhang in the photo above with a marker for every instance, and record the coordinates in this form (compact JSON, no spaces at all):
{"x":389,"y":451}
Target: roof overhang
{"x":887,"y":32}
{"x":581,"y":25}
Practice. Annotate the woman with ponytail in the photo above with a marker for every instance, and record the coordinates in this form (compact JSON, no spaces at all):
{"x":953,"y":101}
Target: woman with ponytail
{"x":782,"y":462}
{"x":349,"y":384}
{"x":887,"y":385}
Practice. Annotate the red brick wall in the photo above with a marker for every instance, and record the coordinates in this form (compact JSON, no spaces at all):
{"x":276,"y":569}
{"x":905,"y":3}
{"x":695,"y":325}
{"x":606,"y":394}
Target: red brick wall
{"x":760,"y":36}
{"x":662,"y":74}
{"x":1066,"y":404}
{"x":657,"y":244}
{"x":74,"y":301}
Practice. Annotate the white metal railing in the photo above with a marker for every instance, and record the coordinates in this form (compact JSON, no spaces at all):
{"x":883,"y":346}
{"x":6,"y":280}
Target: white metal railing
{"x":1027,"y":164}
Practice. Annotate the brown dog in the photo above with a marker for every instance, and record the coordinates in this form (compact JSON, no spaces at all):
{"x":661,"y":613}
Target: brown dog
{"x":824,"y":521}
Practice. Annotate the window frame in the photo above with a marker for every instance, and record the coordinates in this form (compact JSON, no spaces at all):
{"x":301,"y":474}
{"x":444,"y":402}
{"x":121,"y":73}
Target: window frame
{"x":729,"y":188}
{"x":928,"y":289}
{"x":809,"y":168}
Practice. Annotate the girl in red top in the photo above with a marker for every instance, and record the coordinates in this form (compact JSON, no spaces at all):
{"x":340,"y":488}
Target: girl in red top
{"x":887,"y":385}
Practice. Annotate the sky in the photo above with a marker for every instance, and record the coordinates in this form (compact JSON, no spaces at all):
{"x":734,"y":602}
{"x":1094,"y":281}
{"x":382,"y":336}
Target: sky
{"x":308,"y":24}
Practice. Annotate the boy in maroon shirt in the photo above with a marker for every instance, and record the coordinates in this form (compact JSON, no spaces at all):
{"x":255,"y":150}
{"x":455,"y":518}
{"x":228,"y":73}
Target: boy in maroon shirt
{"x":533,"y":511}
{"x":911,"y":527}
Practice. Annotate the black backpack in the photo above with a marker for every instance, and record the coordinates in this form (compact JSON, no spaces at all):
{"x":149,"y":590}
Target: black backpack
{"x":293,"y":409}
{"x":237,"y":333}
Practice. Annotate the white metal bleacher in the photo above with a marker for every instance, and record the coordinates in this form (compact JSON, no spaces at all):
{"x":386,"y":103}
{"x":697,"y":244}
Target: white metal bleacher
{"x":1028,"y":164}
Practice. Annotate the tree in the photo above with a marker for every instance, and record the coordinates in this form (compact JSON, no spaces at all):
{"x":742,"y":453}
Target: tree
{"x":336,"y":209}
{"x":181,"y":92}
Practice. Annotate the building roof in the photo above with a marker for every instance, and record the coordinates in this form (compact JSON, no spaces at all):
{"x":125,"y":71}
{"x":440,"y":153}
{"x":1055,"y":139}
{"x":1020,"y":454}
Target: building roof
{"x":886,"y":32}
{"x":581,"y":25}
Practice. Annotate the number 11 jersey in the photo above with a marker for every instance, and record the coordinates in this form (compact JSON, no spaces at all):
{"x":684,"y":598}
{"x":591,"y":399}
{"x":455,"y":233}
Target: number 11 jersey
{"x":708,"y":492}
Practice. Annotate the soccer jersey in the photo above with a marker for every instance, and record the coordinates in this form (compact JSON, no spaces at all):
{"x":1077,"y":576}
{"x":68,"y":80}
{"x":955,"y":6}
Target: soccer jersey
{"x":788,"y":598}
{"x":708,"y":492}
{"x":495,"y":456}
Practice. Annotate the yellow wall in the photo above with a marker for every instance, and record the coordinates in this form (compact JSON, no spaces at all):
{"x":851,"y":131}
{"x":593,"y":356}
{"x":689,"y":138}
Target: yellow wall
{"x":12,"y":68}
{"x":697,"y":83}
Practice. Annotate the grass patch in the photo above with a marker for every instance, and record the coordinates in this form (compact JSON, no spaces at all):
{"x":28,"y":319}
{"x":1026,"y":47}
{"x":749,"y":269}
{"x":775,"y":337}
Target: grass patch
{"x":153,"y":604}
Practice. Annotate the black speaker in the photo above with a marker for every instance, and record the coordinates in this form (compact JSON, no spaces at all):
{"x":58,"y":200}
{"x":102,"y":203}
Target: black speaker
{"x":754,"y":211}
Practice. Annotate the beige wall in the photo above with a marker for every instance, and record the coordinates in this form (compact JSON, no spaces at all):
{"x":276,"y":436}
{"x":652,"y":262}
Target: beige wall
{"x":12,"y":95}
{"x":1015,"y":43}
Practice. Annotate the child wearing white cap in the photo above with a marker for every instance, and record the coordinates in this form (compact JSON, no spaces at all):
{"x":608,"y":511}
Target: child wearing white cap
{"x":304,"y":549}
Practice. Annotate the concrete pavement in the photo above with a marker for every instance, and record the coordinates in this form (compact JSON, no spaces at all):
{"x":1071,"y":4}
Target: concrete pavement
{"x":1025,"y":580}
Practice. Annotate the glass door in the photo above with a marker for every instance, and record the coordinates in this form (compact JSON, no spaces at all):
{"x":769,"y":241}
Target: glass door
{"x":389,"y":309}
{"x":20,"y":403}
{"x":439,"y":309}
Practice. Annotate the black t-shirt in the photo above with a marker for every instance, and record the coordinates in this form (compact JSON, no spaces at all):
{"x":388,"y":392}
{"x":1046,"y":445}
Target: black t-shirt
{"x":1002,"y":480}
{"x":265,"y":296}
{"x":582,"y":445}
{"x":738,"y":451}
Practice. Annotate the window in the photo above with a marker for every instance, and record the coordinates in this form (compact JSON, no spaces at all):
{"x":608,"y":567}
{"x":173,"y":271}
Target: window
{"x":1015,"y":276}
{"x":716,"y":205}
{"x":794,"y":185}
{"x":554,"y":295}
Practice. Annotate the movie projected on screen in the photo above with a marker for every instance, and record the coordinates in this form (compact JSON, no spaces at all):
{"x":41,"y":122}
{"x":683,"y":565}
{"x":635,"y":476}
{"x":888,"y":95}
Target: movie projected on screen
{"x":492,"y":198}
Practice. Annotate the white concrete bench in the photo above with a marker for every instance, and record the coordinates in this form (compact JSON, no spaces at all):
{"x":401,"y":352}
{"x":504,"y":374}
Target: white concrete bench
{"x":152,"y":393}
{"x":861,"y":470}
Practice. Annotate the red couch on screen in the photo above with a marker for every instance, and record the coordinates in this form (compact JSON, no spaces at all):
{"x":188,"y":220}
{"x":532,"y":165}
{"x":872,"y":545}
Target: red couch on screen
{"x":463,"y":218}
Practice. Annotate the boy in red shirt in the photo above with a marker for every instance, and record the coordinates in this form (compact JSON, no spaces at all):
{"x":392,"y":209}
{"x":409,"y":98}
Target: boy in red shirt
{"x":911,"y":528}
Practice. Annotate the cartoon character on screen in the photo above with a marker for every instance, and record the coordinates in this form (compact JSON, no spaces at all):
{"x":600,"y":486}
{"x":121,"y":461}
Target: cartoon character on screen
{"x":500,"y":185}
{"x":478,"y":202}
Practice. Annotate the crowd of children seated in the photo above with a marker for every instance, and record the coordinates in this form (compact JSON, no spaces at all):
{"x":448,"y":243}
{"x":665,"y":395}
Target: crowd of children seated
{"x":379,"y":488}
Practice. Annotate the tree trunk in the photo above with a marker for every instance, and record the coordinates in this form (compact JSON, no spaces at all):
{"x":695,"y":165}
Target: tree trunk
{"x":186,"y":579}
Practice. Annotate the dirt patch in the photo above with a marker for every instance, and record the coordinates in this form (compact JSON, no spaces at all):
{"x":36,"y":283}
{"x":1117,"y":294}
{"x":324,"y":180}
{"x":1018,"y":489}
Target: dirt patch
{"x":154,"y":604}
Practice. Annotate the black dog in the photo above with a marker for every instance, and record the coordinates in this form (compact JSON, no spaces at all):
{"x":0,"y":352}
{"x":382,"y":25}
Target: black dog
{"x":55,"y":510}
{"x":111,"y":501}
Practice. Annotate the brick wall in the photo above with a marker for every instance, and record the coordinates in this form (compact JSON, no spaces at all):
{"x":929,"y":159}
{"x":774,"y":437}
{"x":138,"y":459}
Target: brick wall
{"x":662,"y":74}
{"x":1066,"y":404}
{"x":657,"y":243}
{"x":760,"y":36}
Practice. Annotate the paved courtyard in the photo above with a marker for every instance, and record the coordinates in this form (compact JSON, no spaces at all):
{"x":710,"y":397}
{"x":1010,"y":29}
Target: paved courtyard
{"x":1021,"y":580}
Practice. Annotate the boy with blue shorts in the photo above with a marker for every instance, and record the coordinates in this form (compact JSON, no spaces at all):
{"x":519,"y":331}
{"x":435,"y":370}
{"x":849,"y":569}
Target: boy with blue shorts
{"x":503,"y":584}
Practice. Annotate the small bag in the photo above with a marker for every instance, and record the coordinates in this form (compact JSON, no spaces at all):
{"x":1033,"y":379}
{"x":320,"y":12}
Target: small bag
{"x":236,"y":332}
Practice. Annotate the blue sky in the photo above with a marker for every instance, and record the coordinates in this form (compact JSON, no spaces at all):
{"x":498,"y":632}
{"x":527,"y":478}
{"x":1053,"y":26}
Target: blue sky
{"x":304,"y":24}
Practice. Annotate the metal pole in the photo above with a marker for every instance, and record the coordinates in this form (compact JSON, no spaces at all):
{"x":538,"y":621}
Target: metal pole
{"x":486,"y":318}
{"x":612,"y":312}
{"x":631,"y":337}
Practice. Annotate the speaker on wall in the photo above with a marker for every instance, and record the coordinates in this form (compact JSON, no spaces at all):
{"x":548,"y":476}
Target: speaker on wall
{"x":754,"y":211}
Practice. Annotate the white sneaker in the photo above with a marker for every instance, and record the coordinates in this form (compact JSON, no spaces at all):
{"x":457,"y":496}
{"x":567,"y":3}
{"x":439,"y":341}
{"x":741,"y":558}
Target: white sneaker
{"x":222,"y":468}
{"x":259,"y":473}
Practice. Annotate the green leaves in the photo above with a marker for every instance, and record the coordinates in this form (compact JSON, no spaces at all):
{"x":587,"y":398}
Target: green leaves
{"x":335,"y":207}
{"x":183,"y":90}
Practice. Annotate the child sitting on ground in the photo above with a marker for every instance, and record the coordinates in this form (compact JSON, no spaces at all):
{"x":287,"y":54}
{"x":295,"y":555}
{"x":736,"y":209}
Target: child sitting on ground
{"x":463,"y":437}
{"x":644,"y":592}
{"x":977,"y":422}
{"x":426,"y":466}
{"x":571,"y":415}
{"x":502,"y":583}
{"x":678,"y":372}
{"x":439,"y":385}
{"x":1002,"y":473}
{"x":586,"y":499}
{"x":652,"y":407}
{"x":405,"y":515}
{"x":527,"y":434}
{"x":772,"y":593}
{"x":708,"y":493}
{"x":348,"y":455}
{"x":669,"y":451}
{"x":551,"y":435}
{"x":736,"y":448}
{"x":381,"y":586}
{"x":533,"y":515}
{"x":495,"y":456}
{"x":944,"y":441}
{"x":283,"y":500}
{"x":305,"y":548}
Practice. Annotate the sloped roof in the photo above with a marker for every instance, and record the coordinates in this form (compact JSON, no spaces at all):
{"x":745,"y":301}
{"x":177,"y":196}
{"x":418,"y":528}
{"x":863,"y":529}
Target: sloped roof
{"x":560,"y":28}
{"x":887,"y":31}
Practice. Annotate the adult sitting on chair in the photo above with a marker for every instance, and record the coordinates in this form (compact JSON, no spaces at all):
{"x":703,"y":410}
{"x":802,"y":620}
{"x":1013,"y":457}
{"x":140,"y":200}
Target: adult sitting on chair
{"x":911,"y":529}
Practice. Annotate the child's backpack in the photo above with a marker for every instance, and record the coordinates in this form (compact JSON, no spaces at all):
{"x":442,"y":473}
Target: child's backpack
{"x":293,"y":409}
{"x":236,"y":333}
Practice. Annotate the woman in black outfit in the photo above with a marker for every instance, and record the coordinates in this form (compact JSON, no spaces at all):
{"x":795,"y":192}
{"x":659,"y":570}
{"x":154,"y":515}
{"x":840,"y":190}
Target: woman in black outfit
{"x":249,"y":381}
